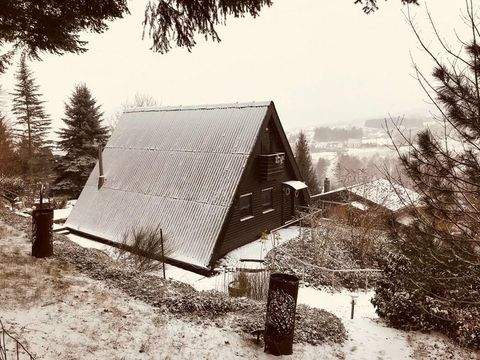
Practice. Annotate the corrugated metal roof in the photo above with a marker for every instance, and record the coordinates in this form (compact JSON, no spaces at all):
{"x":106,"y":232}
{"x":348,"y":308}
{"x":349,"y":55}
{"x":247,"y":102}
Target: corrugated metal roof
{"x":383,"y":192}
{"x":173,"y":167}
{"x":388,"y":194}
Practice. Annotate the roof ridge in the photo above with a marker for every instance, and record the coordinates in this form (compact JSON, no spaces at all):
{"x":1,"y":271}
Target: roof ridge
{"x":237,"y":105}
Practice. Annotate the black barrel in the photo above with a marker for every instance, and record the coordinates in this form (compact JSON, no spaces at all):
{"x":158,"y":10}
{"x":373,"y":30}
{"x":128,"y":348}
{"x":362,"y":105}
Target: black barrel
{"x":42,"y":222}
{"x":280,"y":320}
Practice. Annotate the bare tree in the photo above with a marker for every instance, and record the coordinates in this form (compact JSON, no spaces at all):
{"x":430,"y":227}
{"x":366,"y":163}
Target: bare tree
{"x":140,"y":100}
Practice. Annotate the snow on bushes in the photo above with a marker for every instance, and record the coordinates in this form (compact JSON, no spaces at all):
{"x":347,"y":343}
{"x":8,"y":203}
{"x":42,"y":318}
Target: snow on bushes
{"x":421,"y":292}
{"x":312,"y":326}
{"x":331,"y":245}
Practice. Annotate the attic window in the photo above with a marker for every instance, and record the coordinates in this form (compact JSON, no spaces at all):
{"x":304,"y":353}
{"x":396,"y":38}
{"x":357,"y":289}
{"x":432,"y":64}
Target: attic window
{"x":245,"y":206}
{"x":267,"y":200}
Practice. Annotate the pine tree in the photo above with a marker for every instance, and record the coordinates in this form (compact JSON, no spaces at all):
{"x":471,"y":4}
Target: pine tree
{"x":7,"y":152}
{"x":79,"y":140}
{"x":32,"y":124}
{"x":304,"y":162}
{"x":432,"y":277}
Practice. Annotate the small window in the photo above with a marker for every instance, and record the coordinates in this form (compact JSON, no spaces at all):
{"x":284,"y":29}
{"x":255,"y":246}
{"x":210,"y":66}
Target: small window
{"x":245,"y":205}
{"x":267,"y":200}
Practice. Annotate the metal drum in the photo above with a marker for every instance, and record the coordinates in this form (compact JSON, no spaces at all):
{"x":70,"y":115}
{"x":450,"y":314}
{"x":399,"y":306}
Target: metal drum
{"x":42,"y":223}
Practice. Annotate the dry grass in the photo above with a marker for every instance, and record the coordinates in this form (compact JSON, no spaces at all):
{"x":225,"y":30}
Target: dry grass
{"x":27,"y":281}
{"x":143,"y":249}
{"x":253,"y":285}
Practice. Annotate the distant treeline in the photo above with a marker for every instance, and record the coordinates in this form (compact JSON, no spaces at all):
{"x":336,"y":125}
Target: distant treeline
{"x":324,"y":133}
{"x":408,"y":122}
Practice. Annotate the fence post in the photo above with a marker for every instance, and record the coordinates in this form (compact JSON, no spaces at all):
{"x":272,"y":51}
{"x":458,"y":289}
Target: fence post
{"x":42,"y":223}
{"x":280,"y":319}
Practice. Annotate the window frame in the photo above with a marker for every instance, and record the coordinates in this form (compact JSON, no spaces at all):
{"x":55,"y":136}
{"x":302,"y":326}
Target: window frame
{"x":267,"y":207}
{"x":248,"y":208}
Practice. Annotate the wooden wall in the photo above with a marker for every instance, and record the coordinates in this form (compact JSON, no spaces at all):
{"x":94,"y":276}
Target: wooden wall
{"x":237,"y":232}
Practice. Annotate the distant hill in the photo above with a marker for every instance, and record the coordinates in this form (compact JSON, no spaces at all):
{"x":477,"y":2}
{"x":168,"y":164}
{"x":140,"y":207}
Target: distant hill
{"x":325,"y":133}
{"x":407,"y":122}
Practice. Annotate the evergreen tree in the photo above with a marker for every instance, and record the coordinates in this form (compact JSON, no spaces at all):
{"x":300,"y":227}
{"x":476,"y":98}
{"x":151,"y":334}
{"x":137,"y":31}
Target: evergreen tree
{"x":304,"y":162}
{"x":7,"y":153}
{"x":79,"y":140}
{"x":432,"y":276}
{"x":32,"y":124}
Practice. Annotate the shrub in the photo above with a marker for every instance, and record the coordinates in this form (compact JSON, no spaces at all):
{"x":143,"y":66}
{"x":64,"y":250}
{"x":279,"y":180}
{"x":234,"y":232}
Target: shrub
{"x":59,"y":202}
{"x":142,"y":249}
{"x":330,"y":245}
{"x":12,"y":188}
{"x":415,"y":294}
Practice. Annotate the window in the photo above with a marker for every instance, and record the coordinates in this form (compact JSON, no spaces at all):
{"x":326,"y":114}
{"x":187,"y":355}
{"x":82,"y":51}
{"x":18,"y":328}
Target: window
{"x":267,"y":200}
{"x":245,"y":205}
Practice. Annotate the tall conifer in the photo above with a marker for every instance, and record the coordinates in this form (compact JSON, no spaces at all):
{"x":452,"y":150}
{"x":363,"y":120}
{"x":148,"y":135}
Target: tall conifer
{"x":32,"y":124}
{"x":304,"y":161}
{"x":79,"y":140}
{"x":7,"y":153}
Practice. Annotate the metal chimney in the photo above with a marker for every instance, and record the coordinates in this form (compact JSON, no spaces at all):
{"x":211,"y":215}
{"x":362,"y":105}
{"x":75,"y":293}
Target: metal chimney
{"x":101,"y":175}
{"x":326,"y":185}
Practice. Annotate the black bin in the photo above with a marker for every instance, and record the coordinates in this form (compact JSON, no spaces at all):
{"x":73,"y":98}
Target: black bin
{"x":42,"y":223}
{"x":281,"y":308}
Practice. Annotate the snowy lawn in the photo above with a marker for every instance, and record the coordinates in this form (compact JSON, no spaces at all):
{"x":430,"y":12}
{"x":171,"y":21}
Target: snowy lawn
{"x":368,"y":337}
{"x":59,"y":313}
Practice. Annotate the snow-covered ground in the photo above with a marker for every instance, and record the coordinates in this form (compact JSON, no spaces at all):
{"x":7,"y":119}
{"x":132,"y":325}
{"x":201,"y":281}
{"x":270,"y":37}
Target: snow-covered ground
{"x":81,"y":318}
{"x":59,"y":215}
{"x":58,"y":313}
{"x":259,"y":249}
{"x":255,"y":250}
{"x":368,"y":337}
{"x":62,"y":214}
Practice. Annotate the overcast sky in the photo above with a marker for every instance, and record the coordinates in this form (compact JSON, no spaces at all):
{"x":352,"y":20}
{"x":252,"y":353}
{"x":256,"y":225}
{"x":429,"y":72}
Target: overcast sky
{"x":321,"y":62}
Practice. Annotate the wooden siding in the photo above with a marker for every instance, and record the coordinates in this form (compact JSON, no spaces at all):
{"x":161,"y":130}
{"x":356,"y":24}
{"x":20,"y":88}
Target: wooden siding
{"x":238,"y":232}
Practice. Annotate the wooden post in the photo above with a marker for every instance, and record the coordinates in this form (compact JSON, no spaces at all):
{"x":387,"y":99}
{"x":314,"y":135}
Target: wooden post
{"x":101,"y":176}
{"x":163,"y":254}
{"x":353,"y":309}
{"x":352,"y":313}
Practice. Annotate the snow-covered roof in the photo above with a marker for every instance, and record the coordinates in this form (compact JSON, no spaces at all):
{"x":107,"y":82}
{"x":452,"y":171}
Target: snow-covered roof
{"x":383,"y":192}
{"x":390,"y":195}
{"x":295,"y":184}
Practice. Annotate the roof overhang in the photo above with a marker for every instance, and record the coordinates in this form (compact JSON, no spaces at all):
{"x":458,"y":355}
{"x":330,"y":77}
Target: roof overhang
{"x":295,"y":184}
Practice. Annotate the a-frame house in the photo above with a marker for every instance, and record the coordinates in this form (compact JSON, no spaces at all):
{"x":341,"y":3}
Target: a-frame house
{"x":213,"y":177}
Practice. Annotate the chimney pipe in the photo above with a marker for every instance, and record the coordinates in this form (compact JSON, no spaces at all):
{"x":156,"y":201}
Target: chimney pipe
{"x":326,"y":185}
{"x":101,"y":176}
